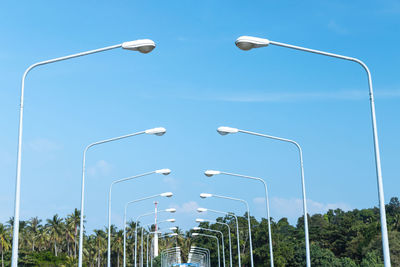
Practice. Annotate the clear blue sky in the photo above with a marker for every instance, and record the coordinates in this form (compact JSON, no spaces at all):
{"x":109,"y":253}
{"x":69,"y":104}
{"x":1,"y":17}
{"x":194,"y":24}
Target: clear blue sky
{"x":193,"y":82}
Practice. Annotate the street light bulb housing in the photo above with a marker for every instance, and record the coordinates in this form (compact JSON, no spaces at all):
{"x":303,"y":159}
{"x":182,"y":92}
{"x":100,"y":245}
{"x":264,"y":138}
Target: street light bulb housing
{"x":164,"y":171}
{"x":143,"y":46}
{"x":195,"y":234}
{"x":167,"y":194}
{"x":205,"y":195}
{"x":248,"y":42}
{"x":196,"y":228}
{"x":223,"y":130}
{"x":210,"y":173}
{"x":200,"y":220}
{"x":201,"y":209}
{"x":171,"y":220}
{"x":156,"y":131}
{"x":173,"y":228}
{"x":173,"y":234}
{"x":172,"y":210}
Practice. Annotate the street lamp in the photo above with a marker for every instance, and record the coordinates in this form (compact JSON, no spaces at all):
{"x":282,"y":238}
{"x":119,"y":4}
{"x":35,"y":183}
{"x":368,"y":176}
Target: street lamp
{"x":216,"y":238}
{"x":167,"y":194}
{"x":143,"y":46}
{"x":237,"y":226}
{"x":229,"y":130}
{"x":229,"y":235}
{"x":159,"y":131}
{"x":171,"y":210}
{"x":149,"y":233}
{"x":222,"y":238}
{"x":210,"y":173}
{"x":204,"y":250}
{"x":206,"y":195}
{"x":247,"y":43}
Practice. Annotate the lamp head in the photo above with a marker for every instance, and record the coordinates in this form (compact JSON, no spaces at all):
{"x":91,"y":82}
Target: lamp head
{"x":171,"y":220}
{"x":199,"y":220}
{"x":223,"y":130}
{"x":205,"y":195}
{"x":195,"y":234}
{"x":210,"y":173}
{"x":201,"y":209}
{"x":248,"y":42}
{"x":173,"y":228}
{"x":157,"y":131}
{"x":196,"y":228}
{"x":172,"y":210}
{"x":173,"y":234}
{"x":164,"y":171}
{"x":167,"y":194}
{"x":143,"y":46}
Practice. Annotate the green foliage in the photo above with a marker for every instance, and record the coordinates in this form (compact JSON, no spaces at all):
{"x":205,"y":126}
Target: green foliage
{"x":338,"y":239}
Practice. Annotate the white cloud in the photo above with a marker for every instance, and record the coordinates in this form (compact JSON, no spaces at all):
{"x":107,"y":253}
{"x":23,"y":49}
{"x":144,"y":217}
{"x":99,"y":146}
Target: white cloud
{"x":101,"y":168}
{"x":44,"y":145}
{"x":293,"y":208}
{"x":187,"y":207}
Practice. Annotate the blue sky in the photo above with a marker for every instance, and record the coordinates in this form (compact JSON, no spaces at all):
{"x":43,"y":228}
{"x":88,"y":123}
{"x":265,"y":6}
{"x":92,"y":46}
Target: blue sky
{"x":193,"y":82}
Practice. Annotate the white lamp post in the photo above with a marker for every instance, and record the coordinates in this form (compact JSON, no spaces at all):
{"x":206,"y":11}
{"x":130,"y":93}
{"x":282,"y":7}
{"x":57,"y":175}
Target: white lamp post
{"x":229,"y":235}
{"x":143,"y":46}
{"x":248,"y":42}
{"x":211,"y":173}
{"x":166,"y":194}
{"x":229,"y":130}
{"x":222,"y":239}
{"x":237,"y":226}
{"x":216,"y":238}
{"x":154,"y":131}
{"x":206,"y":195}
{"x":171,"y":210}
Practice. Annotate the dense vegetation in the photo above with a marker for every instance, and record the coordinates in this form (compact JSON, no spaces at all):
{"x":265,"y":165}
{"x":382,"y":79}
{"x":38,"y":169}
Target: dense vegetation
{"x":338,"y":238}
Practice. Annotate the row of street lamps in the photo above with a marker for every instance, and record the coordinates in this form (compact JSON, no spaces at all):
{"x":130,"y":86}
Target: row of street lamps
{"x":244,"y":43}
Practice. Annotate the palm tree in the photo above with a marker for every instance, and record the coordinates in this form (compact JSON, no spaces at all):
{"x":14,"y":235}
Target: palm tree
{"x":54,"y":229}
{"x":100,"y":244}
{"x":118,"y":243}
{"x":73,"y":220}
{"x":130,"y":236}
{"x":4,"y":242}
{"x":34,"y":227}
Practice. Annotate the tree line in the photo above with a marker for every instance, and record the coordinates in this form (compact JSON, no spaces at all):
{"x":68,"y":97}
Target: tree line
{"x":337,"y":238}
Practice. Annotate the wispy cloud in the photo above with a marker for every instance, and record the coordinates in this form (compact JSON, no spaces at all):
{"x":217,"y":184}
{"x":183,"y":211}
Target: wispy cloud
{"x":349,"y":95}
{"x":293,"y":208}
{"x":101,"y":168}
{"x":335,"y":27}
{"x":44,"y":145}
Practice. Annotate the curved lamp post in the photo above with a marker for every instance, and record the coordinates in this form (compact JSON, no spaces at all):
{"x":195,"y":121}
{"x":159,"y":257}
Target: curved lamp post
{"x":205,"y":250}
{"x":222,"y":239}
{"x":149,"y":233}
{"x":210,"y":173}
{"x":229,"y":130}
{"x":143,"y":46}
{"x":237,"y":226}
{"x":171,"y":210}
{"x":229,"y":235}
{"x":147,"y":247}
{"x":166,"y":194}
{"x":206,"y":195}
{"x":155,"y":131}
{"x":216,"y":238}
{"x":249,"y":42}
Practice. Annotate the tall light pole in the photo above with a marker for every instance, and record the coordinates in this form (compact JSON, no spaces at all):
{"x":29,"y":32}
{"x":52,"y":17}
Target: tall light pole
{"x":166,"y":194}
{"x":237,"y":226}
{"x":222,"y":239}
{"x":171,"y":210}
{"x":206,"y":195}
{"x":143,"y":46}
{"x":155,"y":131}
{"x":210,"y":173}
{"x":200,"y":249}
{"x":229,"y":235}
{"x":248,"y":42}
{"x":149,"y":233}
{"x":216,"y":238}
{"x":228,"y":130}
{"x":147,"y":248}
